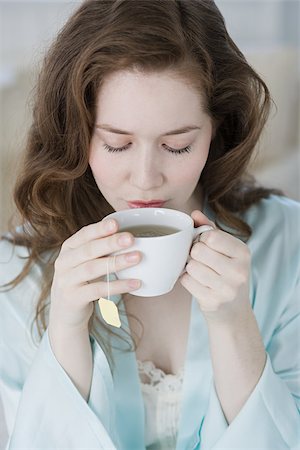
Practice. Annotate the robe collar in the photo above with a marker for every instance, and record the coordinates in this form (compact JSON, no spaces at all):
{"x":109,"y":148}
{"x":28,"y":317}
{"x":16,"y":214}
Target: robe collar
{"x":197,"y":380}
{"x":129,"y":405}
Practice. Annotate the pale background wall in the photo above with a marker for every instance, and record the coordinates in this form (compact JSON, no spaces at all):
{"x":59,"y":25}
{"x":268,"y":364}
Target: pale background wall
{"x":267,"y":31}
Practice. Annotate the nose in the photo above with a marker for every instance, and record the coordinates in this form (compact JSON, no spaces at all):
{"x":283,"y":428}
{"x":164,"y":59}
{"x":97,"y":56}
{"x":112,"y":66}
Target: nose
{"x":146,"y":172}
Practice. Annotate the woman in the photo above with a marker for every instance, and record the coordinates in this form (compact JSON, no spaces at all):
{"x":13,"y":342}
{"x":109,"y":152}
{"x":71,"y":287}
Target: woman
{"x":150,"y":102}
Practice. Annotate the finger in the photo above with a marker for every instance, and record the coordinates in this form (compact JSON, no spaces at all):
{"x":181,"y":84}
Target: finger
{"x":201,"y":219}
{"x":228,"y":269}
{"x":222,"y":242}
{"x":95,"y":268}
{"x":90,"y":232}
{"x":93,"y":291}
{"x":204,"y":275}
{"x":210,"y":258}
{"x":203,"y":294}
{"x":95,"y":249}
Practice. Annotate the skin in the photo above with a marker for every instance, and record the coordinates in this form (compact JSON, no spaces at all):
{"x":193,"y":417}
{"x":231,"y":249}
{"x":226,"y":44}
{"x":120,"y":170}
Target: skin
{"x":147,"y":170}
{"x":219,"y":265}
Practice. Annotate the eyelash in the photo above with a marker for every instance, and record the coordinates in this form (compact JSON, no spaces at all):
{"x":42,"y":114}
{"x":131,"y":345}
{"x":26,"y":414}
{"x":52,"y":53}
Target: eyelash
{"x":186,"y":149}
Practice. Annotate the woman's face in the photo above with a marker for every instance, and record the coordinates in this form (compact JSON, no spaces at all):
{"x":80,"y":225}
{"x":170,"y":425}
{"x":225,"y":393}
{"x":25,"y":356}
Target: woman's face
{"x":147,"y":116}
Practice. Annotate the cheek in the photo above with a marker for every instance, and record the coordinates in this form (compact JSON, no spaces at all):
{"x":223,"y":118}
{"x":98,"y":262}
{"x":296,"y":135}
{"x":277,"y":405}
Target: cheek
{"x":190,"y":172}
{"x":202,"y":155}
{"x":194,"y":166}
{"x":185,"y":178}
{"x":101,"y":167}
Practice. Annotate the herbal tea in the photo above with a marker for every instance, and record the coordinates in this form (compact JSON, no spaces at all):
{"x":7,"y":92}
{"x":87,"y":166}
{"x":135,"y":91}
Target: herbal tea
{"x":151,"y":230}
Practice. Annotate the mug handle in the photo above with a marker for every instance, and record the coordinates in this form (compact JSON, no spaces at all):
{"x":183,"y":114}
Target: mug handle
{"x":196,"y":234}
{"x":199,"y":230}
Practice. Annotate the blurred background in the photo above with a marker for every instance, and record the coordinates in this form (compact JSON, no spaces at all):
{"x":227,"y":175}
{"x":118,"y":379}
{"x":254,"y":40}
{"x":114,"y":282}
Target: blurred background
{"x":267,"y":31}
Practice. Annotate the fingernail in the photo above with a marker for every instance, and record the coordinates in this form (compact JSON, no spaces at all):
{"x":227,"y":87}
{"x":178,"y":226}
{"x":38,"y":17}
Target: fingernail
{"x":134,"y":283}
{"x":110,"y":225}
{"x":124,"y":240}
{"x":132,"y":257}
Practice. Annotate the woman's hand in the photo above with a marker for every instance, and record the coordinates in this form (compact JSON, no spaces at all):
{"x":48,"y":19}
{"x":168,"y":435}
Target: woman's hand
{"x":218,"y":277}
{"x":218,"y":272}
{"x":82,"y":260}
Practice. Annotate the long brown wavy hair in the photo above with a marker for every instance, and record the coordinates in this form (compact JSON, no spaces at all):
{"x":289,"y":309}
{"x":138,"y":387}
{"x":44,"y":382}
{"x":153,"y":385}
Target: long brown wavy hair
{"x":56,"y":193}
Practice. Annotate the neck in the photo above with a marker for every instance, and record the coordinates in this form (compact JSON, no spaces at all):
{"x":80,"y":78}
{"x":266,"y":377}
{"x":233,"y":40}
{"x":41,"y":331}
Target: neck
{"x":178,"y":293}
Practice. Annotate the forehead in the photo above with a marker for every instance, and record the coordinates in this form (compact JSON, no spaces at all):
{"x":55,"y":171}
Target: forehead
{"x":134,"y":100}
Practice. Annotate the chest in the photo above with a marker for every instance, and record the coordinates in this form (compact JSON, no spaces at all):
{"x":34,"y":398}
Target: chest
{"x":160,"y":327}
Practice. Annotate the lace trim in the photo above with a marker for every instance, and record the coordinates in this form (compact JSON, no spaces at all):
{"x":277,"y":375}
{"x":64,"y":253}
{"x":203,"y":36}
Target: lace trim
{"x":158,"y":379}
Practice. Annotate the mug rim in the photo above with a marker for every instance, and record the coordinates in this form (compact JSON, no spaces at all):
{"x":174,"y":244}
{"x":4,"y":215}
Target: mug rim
{"x":165,"y":210}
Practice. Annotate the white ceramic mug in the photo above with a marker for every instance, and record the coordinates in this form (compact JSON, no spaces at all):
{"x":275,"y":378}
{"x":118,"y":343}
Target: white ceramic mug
{"x":163,"y":257}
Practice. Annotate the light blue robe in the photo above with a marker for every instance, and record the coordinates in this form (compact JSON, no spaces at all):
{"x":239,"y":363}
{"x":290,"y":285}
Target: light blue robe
{"x":44,"y":410}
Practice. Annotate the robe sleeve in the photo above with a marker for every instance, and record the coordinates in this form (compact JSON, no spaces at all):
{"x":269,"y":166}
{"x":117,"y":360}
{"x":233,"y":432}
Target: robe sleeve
{"x":42,"y":407}
{"x":50,"y":411}
{"x":270,"y":418}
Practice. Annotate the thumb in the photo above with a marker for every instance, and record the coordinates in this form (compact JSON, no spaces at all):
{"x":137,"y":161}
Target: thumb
{"x":201,"y":219}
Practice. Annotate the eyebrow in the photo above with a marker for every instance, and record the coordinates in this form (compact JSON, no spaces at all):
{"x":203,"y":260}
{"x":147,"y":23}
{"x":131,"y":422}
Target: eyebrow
{"x":169,"y":133}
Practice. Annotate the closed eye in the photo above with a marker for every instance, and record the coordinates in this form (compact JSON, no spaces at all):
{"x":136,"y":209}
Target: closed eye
{"x":175,"y":151}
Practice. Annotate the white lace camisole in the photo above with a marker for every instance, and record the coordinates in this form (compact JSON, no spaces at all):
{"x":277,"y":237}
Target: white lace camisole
{"x":161,"y":393}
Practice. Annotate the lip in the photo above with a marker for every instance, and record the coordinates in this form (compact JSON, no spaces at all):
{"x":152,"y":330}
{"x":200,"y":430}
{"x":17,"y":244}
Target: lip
{"x":143,"y":204}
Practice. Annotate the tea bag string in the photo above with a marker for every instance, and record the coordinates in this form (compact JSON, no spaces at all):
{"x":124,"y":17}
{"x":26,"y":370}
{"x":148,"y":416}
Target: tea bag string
{"x":107,"y":273}
{"x":107,"y":307}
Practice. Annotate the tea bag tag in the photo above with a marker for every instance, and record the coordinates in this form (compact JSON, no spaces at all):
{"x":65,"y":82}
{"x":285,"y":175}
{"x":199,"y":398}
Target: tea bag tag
{"x":107,"y":307}
{"x":109,"y":312}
